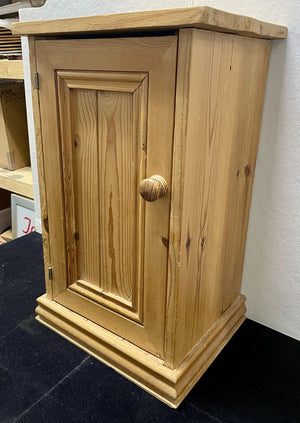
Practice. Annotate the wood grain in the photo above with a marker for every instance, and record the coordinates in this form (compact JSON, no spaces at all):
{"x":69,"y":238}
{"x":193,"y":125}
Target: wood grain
{"x":223,"y":75}
{"x":67,"y":153}
{"x":85,"y":144}
{"x":145,"y":370}
{"x":180,"y":130}
{"x":12,"y":69}
{"x":153,"y":188}
{"x":104,"y":155}
{"x":17,"y":181}
{"x":107,"y":81}
{"x":14,"y":147}
{"x":98,"y":144}
{"x":151,"y":288}
{"x":40,"y":166}
{"x":53,"y":172}
{"x":131,"y":126}
{"x":79,"y":54}
{"x":196,"y":17}
{"x":132,"y":309}
{"x":118,"y":185}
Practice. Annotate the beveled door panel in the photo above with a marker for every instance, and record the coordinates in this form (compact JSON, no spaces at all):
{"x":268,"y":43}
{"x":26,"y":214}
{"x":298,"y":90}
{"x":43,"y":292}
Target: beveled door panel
{"x":104,"y":131}
{"x":110,"y":127}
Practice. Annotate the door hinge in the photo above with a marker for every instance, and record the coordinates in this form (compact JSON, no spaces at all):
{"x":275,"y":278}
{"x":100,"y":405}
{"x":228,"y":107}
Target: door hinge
{"x":36,"y":81}
{"x":50,"y":273}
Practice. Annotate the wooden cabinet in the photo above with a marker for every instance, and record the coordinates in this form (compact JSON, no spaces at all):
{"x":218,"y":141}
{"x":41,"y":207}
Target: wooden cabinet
{"x":147,"y":146}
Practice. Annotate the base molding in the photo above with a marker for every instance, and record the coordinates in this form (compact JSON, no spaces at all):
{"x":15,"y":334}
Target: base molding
{"x":144,"y":369}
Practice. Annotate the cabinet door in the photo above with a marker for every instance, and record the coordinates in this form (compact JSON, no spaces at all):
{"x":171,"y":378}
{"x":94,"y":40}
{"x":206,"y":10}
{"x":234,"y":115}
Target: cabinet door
{"x":107,"y":109}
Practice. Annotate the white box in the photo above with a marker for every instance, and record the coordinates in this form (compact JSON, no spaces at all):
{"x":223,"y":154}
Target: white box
{"x":23,"y":216}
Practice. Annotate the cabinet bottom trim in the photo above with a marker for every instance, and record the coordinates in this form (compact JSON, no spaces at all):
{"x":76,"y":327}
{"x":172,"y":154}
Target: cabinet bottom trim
{"x":147,"y":371}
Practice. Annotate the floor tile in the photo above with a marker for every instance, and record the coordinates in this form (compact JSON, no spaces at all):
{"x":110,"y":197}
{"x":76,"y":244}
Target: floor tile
{"x":256,"y":378}
{"x":32,"y":360}
{"x":21,"y":280}
{"x":96,"y":393}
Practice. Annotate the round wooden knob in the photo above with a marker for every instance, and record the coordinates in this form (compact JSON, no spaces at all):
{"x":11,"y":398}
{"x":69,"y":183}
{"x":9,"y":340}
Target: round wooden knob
{"x":153,"y":188}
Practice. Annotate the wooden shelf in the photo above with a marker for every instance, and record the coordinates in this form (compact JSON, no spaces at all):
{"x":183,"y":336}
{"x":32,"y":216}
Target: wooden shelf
{"x":6,"y":236}
{"x":17,"y":181}
{"x":11,"y":69}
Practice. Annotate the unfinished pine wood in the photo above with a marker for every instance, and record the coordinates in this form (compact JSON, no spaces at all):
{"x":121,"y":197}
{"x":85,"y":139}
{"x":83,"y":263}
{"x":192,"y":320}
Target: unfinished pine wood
{"x":119,"y":172}
{"x":107,"y":81}
{"x":151,"y":288}
{"x":84,"y":145}
{"x":153,"y":188}
{"x":101,"y":171}
{"x":131,"y":126}
{"x":95,"y":159}
{"x":17,"y":181}
{"x":114,"y":51}
{"x":197,"y":17}
{"x":14,"y":147}
{"x":69,"y":186}
{"x":6,"y":236}
{"x":145,"y":370}
{"x":40,"y":167}
{"x":51,"y":155}
{"x":79,"y":125}
{"x":210,"y":210}
{"x":11,"y":69}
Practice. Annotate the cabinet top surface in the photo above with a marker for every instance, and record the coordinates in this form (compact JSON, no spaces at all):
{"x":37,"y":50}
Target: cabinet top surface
{"x":193,"y":17}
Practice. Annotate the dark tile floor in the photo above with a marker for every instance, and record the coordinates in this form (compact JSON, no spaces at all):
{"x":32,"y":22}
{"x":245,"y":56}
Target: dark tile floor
{"x":44,"y":378}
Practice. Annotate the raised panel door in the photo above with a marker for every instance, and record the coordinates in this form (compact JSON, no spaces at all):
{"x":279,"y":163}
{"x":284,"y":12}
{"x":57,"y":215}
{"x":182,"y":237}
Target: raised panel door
{"x":109,"y":126}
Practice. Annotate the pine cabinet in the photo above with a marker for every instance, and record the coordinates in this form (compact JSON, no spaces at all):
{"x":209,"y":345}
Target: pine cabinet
{"x":147,"y":128}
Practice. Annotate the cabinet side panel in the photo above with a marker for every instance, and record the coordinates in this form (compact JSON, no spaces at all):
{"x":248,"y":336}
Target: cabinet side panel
{"x":226,"y":82}
{"x":250,"y":67}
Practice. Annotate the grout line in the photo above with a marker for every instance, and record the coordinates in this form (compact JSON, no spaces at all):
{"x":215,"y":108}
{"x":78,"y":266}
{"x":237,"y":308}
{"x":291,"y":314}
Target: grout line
{"x":50,"y":390}
{"x":205,"y":412}
{"x":19,"y":326}
{"x":3,"y":337}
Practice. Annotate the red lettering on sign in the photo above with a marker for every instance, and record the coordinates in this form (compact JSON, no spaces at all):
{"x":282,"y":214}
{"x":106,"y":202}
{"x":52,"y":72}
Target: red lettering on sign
{"x":28,"y":227}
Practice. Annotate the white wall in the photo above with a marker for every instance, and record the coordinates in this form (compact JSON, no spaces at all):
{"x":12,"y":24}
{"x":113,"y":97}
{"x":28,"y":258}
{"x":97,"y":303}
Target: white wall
{"x":271,"y":279}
